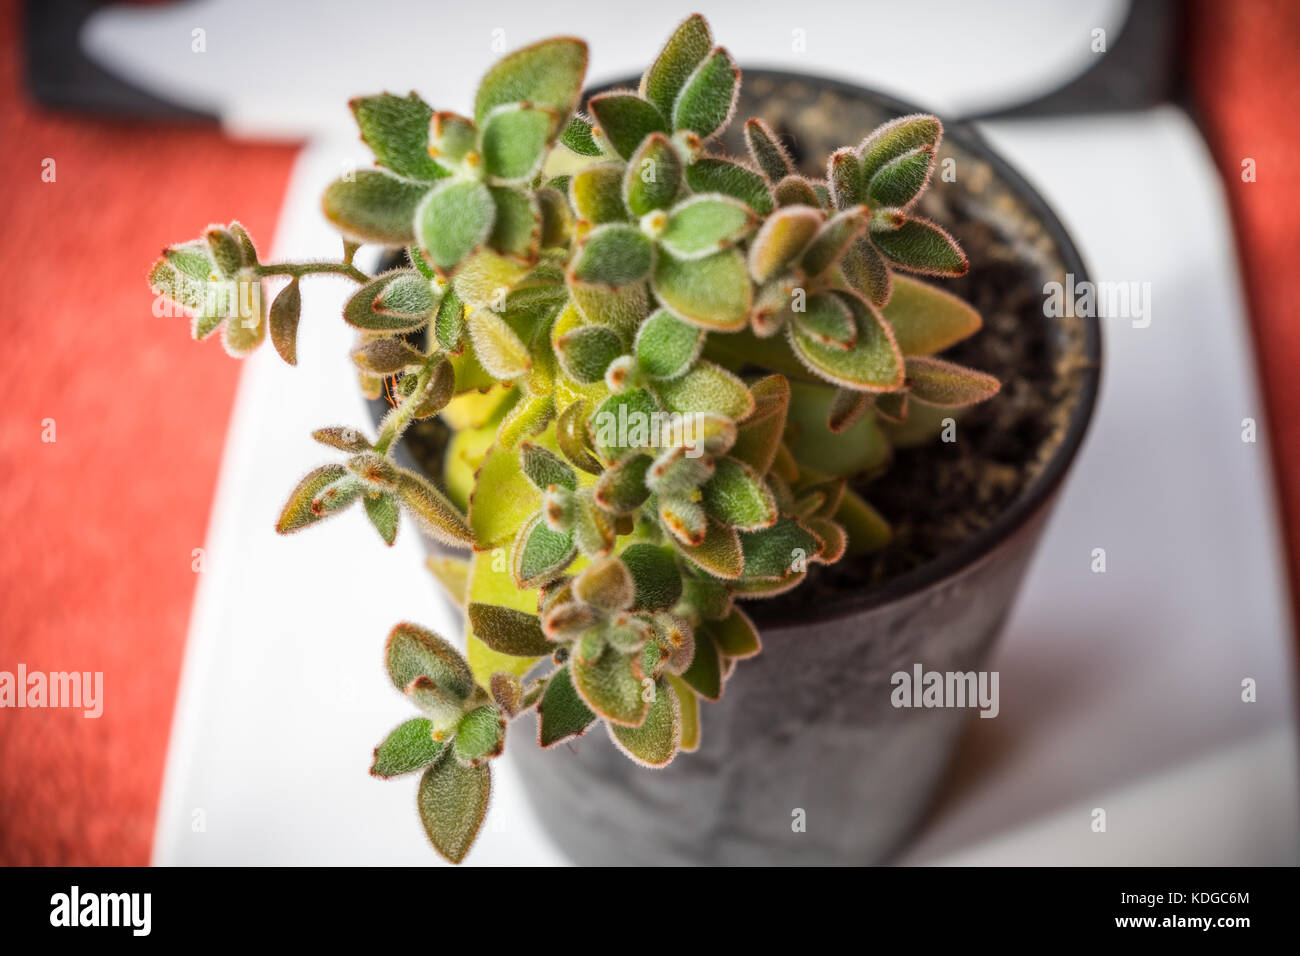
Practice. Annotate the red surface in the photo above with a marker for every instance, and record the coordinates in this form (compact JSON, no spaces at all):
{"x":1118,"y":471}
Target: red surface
{"x":1246,"y":83}
{"x":98,"y":527}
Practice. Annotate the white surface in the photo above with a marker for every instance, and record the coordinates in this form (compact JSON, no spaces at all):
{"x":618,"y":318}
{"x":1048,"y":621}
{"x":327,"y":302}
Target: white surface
{"x":1119,"y":690}
{"x":287,"y":68}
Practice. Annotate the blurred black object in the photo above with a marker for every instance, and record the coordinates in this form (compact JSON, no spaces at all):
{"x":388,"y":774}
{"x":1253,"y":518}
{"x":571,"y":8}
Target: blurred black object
{"x":61,"y":75}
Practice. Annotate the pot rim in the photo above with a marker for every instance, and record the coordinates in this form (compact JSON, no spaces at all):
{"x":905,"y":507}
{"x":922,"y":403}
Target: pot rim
{"x":1046,"y":483}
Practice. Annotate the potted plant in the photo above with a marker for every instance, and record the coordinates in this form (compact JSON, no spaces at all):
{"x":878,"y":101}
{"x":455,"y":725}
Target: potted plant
{"x":643,"y":391}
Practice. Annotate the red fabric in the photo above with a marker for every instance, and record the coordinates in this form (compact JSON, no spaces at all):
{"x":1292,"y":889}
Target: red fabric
{"x":97,"y":528}
{"x":1245,"y":77}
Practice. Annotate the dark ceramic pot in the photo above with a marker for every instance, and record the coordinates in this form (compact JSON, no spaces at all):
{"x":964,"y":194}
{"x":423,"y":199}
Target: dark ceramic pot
{"x":805,"y":760}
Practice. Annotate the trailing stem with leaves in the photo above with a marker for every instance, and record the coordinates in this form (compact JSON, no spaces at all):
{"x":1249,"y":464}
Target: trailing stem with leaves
{"x":660,"y":366}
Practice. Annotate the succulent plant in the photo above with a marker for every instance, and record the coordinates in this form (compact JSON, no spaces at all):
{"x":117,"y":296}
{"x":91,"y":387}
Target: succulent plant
{"x":660,"y":365}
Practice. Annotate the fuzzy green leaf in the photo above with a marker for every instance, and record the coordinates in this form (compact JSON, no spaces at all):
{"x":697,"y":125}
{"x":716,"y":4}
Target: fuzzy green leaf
{"x":557,"y":223}
{"x":437,"y":393}
{"x":613,"y":255}
{"x":622,"y":488}
{"x":719,"y":553}
{"x":778,"y":551}
{"x":654,"y":742}
{"x":449,"y":322}
{"x":611,"y":686}
{"x":902,"y":179}
{"x":707,"y":596}
{"x":605,"y":584}
{"x":735,"y":635}
{"x":872,"y":364}
{"x":413,"y":651}
{"x":614,"y":425}
{"x":713,"y":175}
{"x":654,"y":174}
{"x":396,"y":128}
{"x":382,"y":511}
{"x":689,"y":712}
{"x":385,"y":356}
{"x":548,"y":73}
{"x":684,"y":519}
{"x":685,"y":49}
{"x":508,"y":631}
{"x":452,"y":801}
{"x":545,"y":468}
{"x":709,"y":95}
{"x":844,"y":178}
{"x":593,"y":530}
{"x":865,"y":270}
{"x":704,"y":676}
{"x":737,"y":496}
{"x":676,"y":473}
{"x":895,"y":138}
{"x":781,"y":240}
{"x":847,"y":408}
{"x":586,"y":352}
{"x":453,"y":220}
{"x":921,"y":246}
{"x":342,"y":438}
{"x":286,"y":310}
{"x":596,"y":193}
{"x":577,"y":137}
{"x":713,"y":293}
{"x":431,"y":510}
{"x":514,"y":140}
{"x":833,"y":239}
{"x":768,"y":153}
{"x":796,"y":191}
{"x":406,"y":296}
{"x":540,"y":554}
{"x":371,"y":205}
{"x":508,"y":693}
{"x":408,"y":748}
{"x":759,"y":434}
{"x":497,"y":346}
{"x":517,"y":228}
{"x":707,"y":388}
{"x":947,"y":385}
{"x":705,"y":224}
{"x":658,"y":583}
{"x":828,"y":321}
{"x":926,"y":319}
{"x":561,"y":714}
{"x":666,"y":346}
{"x":480,"y":735}
{"x":626,"y":119}
{"x":298,"y":511}
{"x":570,"y":435}
{"x":867,"y":530}
{"x":225,"y":251}
{"x":452,"y":138}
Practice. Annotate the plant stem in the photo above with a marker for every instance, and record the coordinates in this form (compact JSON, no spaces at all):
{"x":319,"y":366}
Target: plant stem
{"x":297,"y":269}
{"x":397,"y":420}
